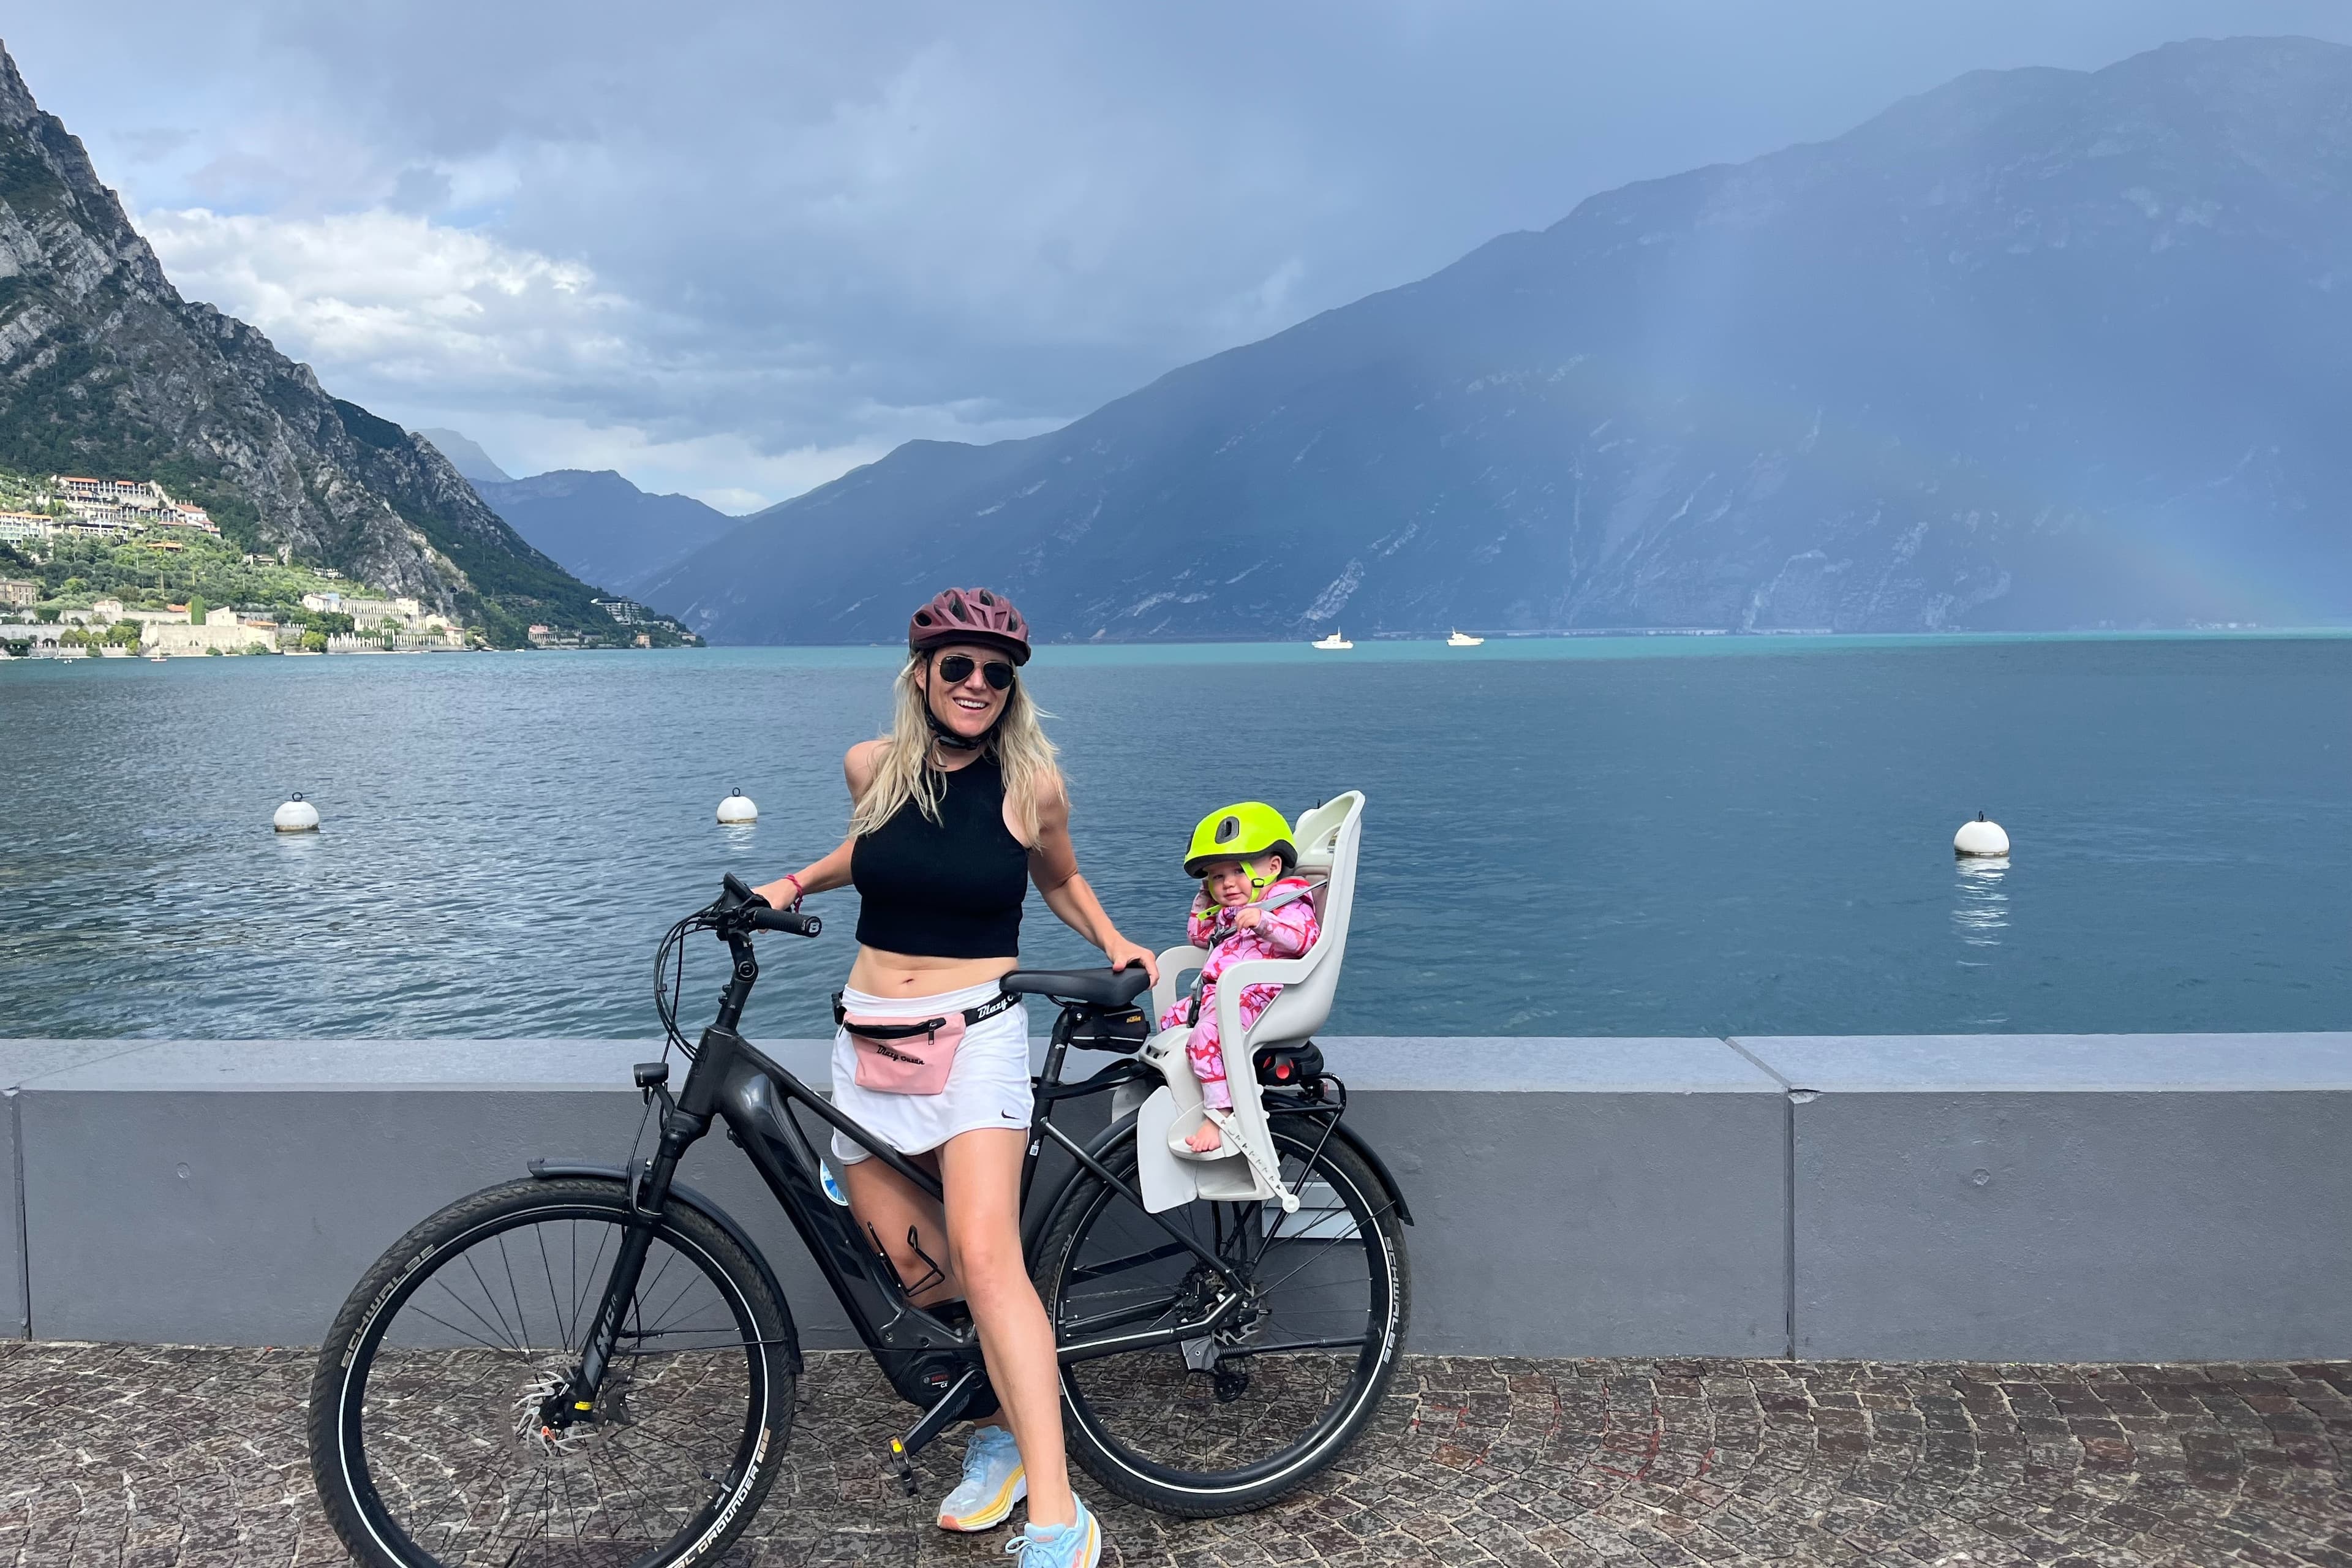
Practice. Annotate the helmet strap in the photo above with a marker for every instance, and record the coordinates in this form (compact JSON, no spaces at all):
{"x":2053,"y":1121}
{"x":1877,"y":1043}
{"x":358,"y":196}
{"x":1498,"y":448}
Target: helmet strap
{"x":939,"y":731}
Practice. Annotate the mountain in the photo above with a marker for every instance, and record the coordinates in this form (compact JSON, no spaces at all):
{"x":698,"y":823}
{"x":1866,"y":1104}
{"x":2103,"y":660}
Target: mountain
{"x":106,"y":370}
{"x":465,"y":455}
{"x":602,"y":527}
{"x":2037,"y":349}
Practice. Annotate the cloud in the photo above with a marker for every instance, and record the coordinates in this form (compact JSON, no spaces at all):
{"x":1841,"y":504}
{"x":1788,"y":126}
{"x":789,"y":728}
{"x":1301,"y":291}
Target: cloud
{"x":399,"y":298}
{"x":527,"y":352}
{"x":743,"y":245}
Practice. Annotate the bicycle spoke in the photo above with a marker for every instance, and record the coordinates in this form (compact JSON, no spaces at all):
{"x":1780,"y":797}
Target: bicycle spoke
{"x":485,"y":1345}
{"x":456,"y":1457}
{"x":556,"y":1298}
{"x":1289,"y":1357}
{"x":488,"y":1299}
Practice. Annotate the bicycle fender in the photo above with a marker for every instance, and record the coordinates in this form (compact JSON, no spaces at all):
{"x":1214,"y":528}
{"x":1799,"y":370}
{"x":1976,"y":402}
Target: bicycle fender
{"x":550,"y":1171}
{"x":1365,"y":1152}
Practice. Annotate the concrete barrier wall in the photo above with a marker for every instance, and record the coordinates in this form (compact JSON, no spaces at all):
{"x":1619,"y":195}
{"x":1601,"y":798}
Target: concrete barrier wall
{"x":2070,"y":1198}
{"x":2000,"y":1197}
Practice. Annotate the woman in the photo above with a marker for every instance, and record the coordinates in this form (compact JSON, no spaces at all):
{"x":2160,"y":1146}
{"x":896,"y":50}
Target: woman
{"x":954,"y":812}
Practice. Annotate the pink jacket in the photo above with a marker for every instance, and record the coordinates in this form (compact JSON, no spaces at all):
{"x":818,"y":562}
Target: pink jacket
{"x":1284,"y":932}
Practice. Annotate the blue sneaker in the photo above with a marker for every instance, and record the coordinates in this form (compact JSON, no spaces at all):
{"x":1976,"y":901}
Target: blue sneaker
{"x":992,"y":1482}
{"x":1074,"y":1545}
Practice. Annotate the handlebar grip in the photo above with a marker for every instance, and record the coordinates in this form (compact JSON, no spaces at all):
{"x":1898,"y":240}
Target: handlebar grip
{"x":791,"y":920}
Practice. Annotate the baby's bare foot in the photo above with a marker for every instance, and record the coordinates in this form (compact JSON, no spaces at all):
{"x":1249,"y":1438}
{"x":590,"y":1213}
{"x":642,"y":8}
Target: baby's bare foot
{"x":1205,"y":1139}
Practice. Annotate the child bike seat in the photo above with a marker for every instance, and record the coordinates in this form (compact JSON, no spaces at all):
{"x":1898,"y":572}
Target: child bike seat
{"x":1246,"y":1166}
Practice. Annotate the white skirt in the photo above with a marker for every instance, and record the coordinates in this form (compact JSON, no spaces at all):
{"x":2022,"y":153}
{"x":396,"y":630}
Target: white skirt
{"x":987,"y":1087}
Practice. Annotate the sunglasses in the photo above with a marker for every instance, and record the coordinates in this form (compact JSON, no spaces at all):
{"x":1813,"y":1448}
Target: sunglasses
{"x":956,"y":668}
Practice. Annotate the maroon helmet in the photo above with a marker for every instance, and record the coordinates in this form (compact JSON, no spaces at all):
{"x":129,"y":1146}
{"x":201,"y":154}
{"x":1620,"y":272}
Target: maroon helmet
{"x":970,"y":616}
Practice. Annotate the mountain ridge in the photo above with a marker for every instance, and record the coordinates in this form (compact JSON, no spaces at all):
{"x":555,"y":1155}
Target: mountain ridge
{"x":2034,"y":349}
{"x":601,"y":526}
{"x":465,"y":455}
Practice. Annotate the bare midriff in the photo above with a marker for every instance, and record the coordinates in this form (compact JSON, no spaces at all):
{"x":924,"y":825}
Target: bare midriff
{"x":880,"y":974}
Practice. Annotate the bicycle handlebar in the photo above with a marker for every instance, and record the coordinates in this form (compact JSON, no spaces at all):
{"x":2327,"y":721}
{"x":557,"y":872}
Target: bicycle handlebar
{"x":740,"y":902}
{"x":793,"y":921}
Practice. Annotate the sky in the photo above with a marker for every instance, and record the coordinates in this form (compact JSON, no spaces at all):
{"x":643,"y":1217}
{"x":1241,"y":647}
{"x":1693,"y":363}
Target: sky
{"x":735,"y":249}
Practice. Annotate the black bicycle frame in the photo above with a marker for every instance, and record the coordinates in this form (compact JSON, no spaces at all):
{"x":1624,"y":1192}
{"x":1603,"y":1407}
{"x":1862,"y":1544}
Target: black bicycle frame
{"x":732,"y":1080}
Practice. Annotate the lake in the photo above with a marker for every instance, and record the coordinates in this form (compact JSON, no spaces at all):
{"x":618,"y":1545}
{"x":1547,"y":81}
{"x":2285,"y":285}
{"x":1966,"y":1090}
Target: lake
{"x":1612,"y":835}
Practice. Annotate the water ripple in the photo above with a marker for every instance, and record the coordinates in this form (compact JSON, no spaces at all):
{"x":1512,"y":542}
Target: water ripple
{"x":1620,"y":840}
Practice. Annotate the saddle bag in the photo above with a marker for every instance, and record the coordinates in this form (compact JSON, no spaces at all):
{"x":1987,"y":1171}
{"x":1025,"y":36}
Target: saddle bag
{"x":911,"y":1056}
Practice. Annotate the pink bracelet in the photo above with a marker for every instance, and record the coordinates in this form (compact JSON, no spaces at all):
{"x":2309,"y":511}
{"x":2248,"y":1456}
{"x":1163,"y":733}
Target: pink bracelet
{"x":798,"y":892}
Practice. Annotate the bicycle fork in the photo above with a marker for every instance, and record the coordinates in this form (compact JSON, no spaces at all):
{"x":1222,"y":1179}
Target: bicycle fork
{"x":575,"y":1400}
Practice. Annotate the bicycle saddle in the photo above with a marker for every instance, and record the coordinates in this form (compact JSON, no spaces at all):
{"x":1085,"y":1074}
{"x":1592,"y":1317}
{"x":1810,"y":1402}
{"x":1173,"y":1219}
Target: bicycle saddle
{"x":1094,"y":987}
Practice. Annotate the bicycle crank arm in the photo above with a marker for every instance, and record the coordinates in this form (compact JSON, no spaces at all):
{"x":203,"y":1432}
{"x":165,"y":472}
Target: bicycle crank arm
{"x":944,"y":1410}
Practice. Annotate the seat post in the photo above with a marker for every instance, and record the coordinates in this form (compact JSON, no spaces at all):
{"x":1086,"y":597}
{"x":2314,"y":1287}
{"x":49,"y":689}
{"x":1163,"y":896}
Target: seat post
{"x":1057,"y":1046}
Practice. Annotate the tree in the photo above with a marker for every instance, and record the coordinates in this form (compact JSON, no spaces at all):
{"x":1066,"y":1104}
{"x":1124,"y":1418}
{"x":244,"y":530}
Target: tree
{"x":196,"y":610}
{"x":314,"y":642}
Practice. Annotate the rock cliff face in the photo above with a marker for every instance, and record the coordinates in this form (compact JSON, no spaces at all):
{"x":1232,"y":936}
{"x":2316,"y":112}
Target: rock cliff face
{"x":105,"y":369}
{"x":2039,"y":349}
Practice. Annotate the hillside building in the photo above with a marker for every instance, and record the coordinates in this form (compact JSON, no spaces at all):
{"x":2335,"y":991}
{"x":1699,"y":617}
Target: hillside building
{"x":120,"y":507}
{"x":627,"y":612}
{"x":18,"y":592}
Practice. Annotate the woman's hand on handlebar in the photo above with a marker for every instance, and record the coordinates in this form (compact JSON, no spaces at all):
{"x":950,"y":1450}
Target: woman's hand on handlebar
{"x":783,"y":893}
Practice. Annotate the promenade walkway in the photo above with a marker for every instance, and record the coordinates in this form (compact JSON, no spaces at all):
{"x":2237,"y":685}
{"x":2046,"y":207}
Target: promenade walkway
{"x":146,"y":1456}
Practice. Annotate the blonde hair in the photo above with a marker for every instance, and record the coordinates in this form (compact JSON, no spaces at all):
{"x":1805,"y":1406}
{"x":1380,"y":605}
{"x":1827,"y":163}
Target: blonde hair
{"x":903,"y":771}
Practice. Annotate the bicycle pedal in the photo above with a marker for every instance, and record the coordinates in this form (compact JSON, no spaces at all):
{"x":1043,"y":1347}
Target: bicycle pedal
{"x":902,"y":1466}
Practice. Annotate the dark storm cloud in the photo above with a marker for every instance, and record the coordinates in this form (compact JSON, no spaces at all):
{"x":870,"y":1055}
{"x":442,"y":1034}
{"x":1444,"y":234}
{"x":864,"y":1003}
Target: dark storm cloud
{"x":743,"y":245}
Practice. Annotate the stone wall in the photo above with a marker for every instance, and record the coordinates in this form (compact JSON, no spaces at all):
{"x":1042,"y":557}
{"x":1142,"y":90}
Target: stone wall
{"x":2132,"y":1198}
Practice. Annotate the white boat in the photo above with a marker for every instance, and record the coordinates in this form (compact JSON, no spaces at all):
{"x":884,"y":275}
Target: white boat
{"x":1334,"y":643}
{"x":159,"y":658}
{"x":1457,"y":640}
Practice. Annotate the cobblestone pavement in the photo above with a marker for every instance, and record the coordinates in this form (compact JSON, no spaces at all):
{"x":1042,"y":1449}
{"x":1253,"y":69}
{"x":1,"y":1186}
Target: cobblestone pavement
{"x":149,"y":1457}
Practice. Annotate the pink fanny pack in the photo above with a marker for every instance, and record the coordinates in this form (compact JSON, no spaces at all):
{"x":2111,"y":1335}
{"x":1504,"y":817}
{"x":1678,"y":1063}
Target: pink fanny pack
{"x":911,"y":1056}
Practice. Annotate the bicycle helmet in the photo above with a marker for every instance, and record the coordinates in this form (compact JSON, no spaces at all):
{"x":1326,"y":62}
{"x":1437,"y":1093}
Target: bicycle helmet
{"x":1241,"y":832}
{"x":970,"y":616}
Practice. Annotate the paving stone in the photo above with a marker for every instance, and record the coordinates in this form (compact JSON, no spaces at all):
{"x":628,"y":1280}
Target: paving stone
{"x":142,"y":1457}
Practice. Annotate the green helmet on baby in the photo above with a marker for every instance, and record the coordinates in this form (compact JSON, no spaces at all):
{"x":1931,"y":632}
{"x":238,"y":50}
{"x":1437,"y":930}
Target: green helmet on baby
{"x":1241,"y":832}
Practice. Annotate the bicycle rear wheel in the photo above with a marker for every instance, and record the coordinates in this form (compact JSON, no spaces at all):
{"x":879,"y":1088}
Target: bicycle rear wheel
{"x":425,"y":1441}
{"x":1225,"y":1422}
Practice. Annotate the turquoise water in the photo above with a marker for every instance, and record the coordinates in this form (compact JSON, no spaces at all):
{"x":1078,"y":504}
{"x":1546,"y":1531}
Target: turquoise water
{"x":1617,"y":835}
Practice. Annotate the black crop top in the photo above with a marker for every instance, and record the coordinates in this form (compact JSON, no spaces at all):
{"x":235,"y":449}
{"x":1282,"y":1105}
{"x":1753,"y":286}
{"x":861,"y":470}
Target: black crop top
{"x":950,"y":889}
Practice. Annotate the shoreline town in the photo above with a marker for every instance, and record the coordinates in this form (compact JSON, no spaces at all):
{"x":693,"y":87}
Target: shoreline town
{"x":309,"y":610}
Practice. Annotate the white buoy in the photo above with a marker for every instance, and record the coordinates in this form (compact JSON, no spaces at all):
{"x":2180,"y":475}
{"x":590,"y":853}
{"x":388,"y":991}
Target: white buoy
{"x":296,"y":815}
{"x":737,"y":809}
{"x":1980,"y":838}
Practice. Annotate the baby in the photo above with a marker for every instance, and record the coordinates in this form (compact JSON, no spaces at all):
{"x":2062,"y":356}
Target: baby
{"x":1247,"y":908}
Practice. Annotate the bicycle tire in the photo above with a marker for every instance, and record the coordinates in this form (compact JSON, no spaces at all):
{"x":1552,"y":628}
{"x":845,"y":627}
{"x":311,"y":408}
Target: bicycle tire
{"x":346,"y":1472}
{"x":1111,"y":1458}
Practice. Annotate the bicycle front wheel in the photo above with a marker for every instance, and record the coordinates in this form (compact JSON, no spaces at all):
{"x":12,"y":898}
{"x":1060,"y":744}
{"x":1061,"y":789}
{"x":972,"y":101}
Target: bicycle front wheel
{"x":1230,"y":1420}
{"x":425,"y":1437}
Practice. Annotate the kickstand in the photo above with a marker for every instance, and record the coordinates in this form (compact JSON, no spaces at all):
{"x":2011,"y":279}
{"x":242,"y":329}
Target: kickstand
{"x":935,"y":1421}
